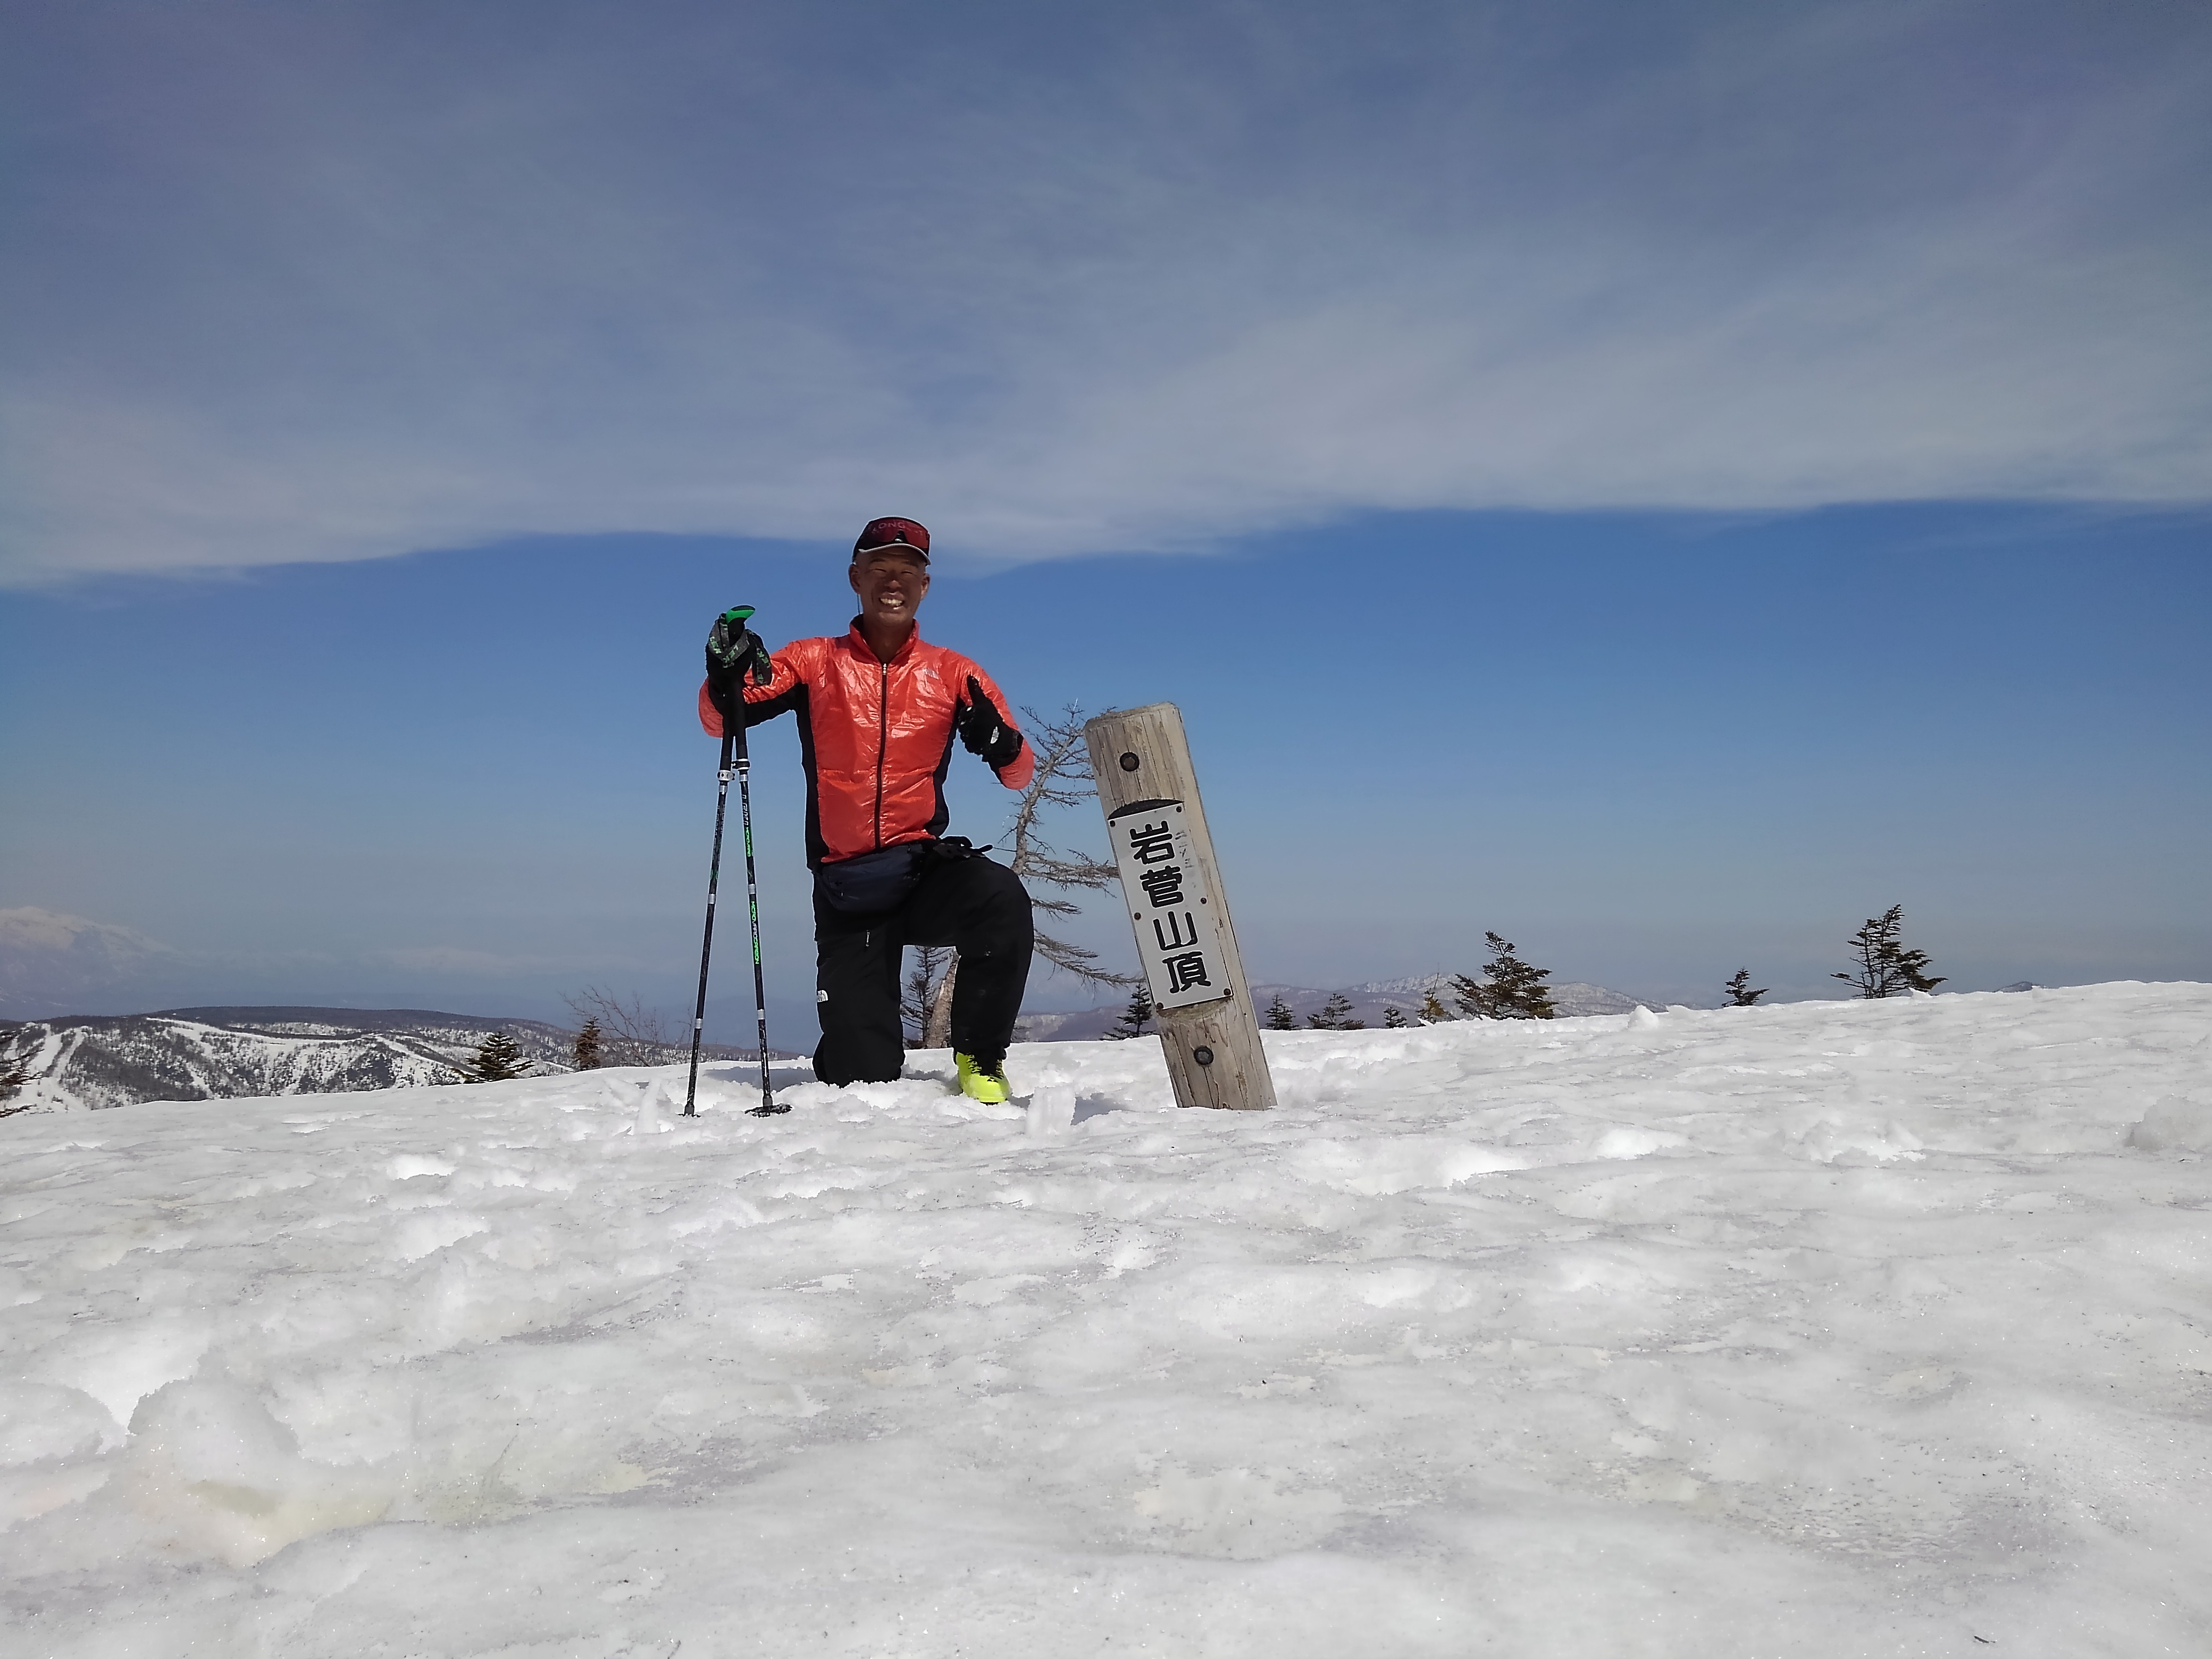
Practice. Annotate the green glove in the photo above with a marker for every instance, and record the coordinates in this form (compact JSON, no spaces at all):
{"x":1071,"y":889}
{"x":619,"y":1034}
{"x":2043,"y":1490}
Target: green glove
{"x":732,"y":648}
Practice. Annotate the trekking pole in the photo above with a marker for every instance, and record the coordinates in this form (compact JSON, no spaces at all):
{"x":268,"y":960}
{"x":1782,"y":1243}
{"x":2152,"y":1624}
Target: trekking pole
{"x":768,"y":1108}
{"x":733,"y":750}
{"x":706,"y":944}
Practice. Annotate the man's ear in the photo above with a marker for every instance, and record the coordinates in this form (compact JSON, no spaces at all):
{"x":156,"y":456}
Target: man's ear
{"x":853,"y":575}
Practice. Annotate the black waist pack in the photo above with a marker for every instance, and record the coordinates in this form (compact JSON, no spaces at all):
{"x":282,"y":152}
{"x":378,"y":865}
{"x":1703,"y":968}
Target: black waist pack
{"x":882,"y":880}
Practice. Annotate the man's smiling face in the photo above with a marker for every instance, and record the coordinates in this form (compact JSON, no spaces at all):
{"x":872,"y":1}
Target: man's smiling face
{"x":891,"y":582}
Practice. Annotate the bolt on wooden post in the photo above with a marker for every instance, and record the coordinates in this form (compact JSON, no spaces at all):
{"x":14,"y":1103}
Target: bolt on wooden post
{"x":1177,"y":908}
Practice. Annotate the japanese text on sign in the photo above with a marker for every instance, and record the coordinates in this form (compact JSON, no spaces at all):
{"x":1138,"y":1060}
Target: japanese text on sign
{"x":1170,"y":907}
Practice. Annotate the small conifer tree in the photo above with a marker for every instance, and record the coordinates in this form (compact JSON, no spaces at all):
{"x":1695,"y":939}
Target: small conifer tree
{"x":1509,"y":989}
{"x":1134,"y":1018}
{"x":1278,"y":1016}
{"x":1394,"y":1018}
{"x":1335,"y":1015}
{"x":1433,"y":1011}
{"x":1740,"y":994}
{"x":589,"y":1053}
{"x":499,"y":1057}
{"x":1885,"y":968}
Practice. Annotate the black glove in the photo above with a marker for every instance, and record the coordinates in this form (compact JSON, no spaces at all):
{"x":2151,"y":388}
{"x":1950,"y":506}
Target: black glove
{"x":732,"y":649}
{"x":985,"y":731}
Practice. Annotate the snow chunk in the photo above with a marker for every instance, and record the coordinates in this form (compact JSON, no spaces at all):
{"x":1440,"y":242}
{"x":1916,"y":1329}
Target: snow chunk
{"x":1397,"y":1164}
{"x":421,"y":1235}
{"x":2175,"y":1123}
{"x":41,"y":1422}
{"x":217,"y":1475}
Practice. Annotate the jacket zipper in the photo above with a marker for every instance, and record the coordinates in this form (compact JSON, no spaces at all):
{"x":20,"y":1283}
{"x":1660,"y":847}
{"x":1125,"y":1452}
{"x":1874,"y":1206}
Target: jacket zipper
{"x":883,"y":742}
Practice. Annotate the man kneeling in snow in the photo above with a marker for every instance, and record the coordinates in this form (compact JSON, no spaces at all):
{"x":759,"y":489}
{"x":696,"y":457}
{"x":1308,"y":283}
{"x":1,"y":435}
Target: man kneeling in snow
{"x":878,"y":711}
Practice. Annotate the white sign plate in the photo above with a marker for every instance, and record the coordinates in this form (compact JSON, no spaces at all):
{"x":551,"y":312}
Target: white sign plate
{"x":1178,"y":936}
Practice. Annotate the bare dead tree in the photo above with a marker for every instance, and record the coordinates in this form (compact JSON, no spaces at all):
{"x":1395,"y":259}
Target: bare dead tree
{"x":932,"y":965}
{"x":1063,"y":778}
{"x":937,"y":1031}
{"x":630,"y":1034}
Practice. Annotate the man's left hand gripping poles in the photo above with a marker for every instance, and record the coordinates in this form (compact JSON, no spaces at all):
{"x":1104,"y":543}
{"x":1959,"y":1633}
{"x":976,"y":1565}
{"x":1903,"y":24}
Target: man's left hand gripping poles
{"x":734,"y":761}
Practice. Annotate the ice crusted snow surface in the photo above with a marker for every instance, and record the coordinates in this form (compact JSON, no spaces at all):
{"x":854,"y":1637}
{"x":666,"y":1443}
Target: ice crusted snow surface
{"x":1830,"y":1329}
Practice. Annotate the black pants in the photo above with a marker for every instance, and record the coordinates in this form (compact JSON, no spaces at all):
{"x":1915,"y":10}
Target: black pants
{"x":976,"y":906}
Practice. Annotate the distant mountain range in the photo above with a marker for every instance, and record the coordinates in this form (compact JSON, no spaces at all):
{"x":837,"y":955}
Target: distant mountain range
{"x":88,"y":1062}
{"x":1370,"y":1002}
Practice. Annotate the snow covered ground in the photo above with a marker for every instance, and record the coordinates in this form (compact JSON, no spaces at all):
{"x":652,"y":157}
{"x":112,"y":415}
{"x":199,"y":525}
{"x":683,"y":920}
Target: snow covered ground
{"x":1826,"y":1329}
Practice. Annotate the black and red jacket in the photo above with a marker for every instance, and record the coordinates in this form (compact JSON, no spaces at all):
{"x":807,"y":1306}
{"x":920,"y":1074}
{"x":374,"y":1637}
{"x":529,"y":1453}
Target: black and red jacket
{"x":875,"y":737}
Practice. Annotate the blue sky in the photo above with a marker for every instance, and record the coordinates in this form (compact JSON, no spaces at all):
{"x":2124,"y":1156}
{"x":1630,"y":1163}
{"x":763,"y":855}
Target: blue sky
{"x":1673,"y":480}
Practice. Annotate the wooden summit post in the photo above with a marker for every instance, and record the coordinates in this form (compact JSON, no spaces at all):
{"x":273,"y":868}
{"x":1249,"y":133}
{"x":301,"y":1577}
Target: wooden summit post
{"x":1180,"y":914}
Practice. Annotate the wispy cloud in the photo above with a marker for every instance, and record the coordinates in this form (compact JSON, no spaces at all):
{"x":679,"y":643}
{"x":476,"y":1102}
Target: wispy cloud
{"x":333,"y":283}
{"x":49,"y":957}
{"x":51,"y":962}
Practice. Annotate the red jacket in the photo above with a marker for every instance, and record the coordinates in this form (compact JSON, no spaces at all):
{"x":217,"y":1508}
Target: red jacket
{"x":875,"y":737}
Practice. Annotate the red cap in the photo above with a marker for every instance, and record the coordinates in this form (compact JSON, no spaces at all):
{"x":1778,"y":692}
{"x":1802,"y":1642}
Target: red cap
{"x":893,"y":533}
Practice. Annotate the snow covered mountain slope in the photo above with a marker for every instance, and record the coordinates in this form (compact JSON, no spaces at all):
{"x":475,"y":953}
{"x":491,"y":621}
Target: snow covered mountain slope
{"x":1837,"y":1329}
{"x":89,"y":1061}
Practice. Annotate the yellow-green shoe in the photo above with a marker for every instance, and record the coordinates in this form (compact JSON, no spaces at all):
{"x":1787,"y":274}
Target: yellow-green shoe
{"x":989,"y":1087}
